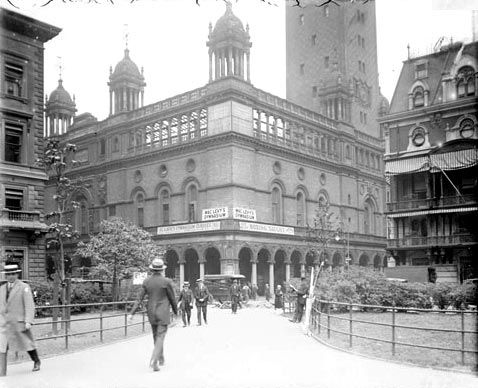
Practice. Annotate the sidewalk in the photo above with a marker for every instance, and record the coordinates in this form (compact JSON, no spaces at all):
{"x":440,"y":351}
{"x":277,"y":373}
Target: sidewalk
{"x":255,"y":348}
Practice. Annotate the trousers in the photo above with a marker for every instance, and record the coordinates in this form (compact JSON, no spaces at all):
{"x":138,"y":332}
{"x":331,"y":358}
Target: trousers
{"x":186,"y":316}
{"x":299,"y":312}
{"x":204,"y":313}
{"x":159,"y":333}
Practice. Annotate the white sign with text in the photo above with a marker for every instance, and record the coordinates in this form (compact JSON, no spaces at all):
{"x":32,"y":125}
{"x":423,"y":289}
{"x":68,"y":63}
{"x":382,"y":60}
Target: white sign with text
{"x":266,"y":228}
{"x":242,"y":213}
{"x":139,"y":277}
{"x":189,"y":228}
{"x":216,"y":213}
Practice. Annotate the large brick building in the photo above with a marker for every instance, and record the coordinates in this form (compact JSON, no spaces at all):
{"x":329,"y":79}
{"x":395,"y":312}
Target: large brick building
{"x":22,"y":181}
{"x":431,"y":158}
{"x":227,"y":176}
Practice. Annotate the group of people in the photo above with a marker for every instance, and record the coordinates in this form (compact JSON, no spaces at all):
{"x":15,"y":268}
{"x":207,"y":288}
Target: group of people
{"x":17,"y":309}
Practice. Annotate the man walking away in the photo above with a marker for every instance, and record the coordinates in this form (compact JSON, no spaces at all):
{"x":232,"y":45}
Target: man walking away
{"x":160,"y":292}
{"x":17,"y":311}
{"x":235,"y":291}
{"x":186,"y":304}
{"x":302,"y":292}
{"x":201,"y":296}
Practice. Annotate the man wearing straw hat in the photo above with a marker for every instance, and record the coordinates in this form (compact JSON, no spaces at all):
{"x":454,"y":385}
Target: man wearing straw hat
{"x":17,"y":311}
{"x":160,"y":292}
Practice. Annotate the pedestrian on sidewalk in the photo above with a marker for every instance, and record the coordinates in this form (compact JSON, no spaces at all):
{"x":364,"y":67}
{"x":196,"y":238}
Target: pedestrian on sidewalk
{"x":254,"y":291}
{"x":267,"y":292}
{"x":202,"y":296}
{"x":245,"y":293}
{"x":279,"y":298}
{"x":160,"y":292}
{"x":302,"y":292}
{"x":17,"y":311}
{"x":186,"y":304}
{"x":235,"y":292}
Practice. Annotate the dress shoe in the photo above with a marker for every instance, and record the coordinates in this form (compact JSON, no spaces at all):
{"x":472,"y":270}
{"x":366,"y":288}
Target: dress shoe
{"x":161,"y":362}
{"x":36,"y":366}
{"x":155,"y":367}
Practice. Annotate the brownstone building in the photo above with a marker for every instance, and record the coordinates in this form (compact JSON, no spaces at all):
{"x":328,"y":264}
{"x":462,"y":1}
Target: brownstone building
{"x":228,"y":176}
{"x":431,"y":158}
{"x":22,"y":181}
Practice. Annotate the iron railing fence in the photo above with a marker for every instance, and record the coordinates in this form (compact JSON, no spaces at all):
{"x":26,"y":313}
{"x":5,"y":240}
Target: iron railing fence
{"x":324,"y":313}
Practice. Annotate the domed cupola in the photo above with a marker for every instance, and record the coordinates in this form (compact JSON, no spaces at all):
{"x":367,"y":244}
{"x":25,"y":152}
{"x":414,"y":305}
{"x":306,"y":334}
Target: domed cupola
{"x":384,"y":106}
{"x":126,"y":84}
{"x":229,"y":47}
{"x":60,"y":109}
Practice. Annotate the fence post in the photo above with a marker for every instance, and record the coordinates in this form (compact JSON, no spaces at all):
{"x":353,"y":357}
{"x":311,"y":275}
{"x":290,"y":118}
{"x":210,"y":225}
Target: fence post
{"x":143,"y":321}
{"x":67,"y":324}
{"x":462,"y":337}
{"x":126,"y":324}
{"x":320,"y":313}
{"x":350,"y":325}
{"x":393,"y":328}
{"x":101,"y":324}
{"x":328,"y":320}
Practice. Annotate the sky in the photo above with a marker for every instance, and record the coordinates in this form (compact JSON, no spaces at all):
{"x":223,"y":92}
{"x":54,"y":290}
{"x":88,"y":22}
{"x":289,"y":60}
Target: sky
{"x":168,"y":38}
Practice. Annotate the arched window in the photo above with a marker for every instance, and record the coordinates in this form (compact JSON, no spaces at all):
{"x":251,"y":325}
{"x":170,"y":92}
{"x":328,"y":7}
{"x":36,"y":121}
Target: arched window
{"x":465,"y":82}
{"x":418,"y":97}
{"x":276,"y":205}
{"x":140,"y":209}
{"x":84,"y":214}
{"x":192,"y":198}
{"x":164,"y":206}
{"x":347,"y":152}
{"x":300,"y":206}
{"x":369,"y":218}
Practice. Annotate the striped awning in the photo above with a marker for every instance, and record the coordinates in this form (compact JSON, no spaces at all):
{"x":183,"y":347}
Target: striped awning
{"x":454,"y":160}
{"x":433,"y":211}
{"x":406,"y":166}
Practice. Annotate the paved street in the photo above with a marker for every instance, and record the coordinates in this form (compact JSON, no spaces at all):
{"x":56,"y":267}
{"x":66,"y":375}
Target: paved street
{"x":255,"y":348}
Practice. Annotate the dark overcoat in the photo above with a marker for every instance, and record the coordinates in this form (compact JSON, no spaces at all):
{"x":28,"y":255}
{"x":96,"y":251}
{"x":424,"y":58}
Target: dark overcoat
{"x":185,"y":300}
{"x":202,"y":296}
{"x":160,"y":292}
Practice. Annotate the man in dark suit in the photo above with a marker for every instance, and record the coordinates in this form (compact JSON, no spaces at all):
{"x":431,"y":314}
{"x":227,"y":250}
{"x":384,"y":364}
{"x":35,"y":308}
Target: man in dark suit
{"x":302,"y":292}
{"x":235,"y":291}
{"x":160,"y":292}
{"x":186,"y":304}
{"x":202,"y":296}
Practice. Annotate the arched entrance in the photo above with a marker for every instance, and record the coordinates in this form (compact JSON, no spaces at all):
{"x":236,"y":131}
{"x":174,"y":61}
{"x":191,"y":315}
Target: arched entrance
{"x":336,"y":260}
{"x":213,"y":261}
{"x":263,"y":258}
{"x":309,"y":261}
{"x":245,"y":268}
{"x":295,"y":260}
{"x":279,"y":267}
{"x":377,"y":261}
{"x":363,"y":260}
{"x":172,"y":269}
{"x":191,"y":267}
{"x":385,"y":262}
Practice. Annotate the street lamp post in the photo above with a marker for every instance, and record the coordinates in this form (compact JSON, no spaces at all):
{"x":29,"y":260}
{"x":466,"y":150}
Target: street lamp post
{"x":346,"y":246}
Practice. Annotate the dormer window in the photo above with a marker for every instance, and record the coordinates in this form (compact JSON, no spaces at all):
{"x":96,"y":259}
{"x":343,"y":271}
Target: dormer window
{"x":418,"y":97}
{"x":465,"y":82}
{"x":421,"y":71}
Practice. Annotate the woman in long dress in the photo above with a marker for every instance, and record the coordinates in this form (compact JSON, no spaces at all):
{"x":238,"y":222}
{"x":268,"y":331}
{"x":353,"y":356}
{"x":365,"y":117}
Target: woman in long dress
{"x":279,"y":298}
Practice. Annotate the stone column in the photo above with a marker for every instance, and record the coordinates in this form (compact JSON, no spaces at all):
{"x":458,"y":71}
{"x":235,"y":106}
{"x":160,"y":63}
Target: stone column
{"x":248,"y":67}
{"x":254,"y":272}
{"x":271,"y":278}
{"x":125,"y":98}
{"x":210,"y":66}
{"x":142,"y":98}
{"x":241,"y":61}
{"x":229,"y":61}
{"x":302,"y":269}
{"x":181,"y":275}
{"x":111,"y":102}
{"x":287,"y":272}
{"x":216,"y":65}
{"x":201,"y":270}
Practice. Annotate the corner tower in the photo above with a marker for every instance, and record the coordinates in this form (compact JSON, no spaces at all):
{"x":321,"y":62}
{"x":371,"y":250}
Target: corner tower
{"x":126,"y":86}
{"x":229,"y":48}
{"x":60,"y":110}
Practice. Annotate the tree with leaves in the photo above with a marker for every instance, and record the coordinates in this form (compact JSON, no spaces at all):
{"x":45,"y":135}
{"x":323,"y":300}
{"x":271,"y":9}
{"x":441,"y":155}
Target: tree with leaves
{"x":57,"y":159}
{"x":118,"y":250}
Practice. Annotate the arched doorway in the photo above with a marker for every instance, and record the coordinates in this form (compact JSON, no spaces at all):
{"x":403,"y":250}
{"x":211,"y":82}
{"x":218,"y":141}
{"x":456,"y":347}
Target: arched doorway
{"x":245,"y":268}
{"x":191,"y":267}
{"x":172,"y":262}
{"x":363,"y":260}
{"x":309,"y":261}
{"x":377,"y":261}
{"x":213,"y":261}
{"x":295,"y":260}
{"x":385,"y":262}
{"x":279,"y":267}
{"x":263,"y":258}
{"x":336,"y":260}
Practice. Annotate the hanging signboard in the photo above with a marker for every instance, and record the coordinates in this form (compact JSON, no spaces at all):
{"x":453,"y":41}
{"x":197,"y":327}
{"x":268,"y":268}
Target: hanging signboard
{"x":242,"y":213}
{"x":216,"y":213}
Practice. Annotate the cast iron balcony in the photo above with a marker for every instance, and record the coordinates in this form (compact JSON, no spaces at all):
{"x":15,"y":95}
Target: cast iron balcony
{"x":432,"y":241}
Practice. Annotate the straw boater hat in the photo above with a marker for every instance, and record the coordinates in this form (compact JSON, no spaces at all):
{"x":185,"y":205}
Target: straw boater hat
{"x":11,"y":268}
{"x":186,"y":284}
{"x":157,"y":265}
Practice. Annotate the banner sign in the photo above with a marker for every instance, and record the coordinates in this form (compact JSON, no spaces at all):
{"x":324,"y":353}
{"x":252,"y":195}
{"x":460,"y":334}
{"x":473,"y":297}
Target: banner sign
{"x":244,"y":214}
{"x":139,"y":277}
{"x":265,"y":228}
{"x":216,"y":213}
{"x":189,"y":228}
